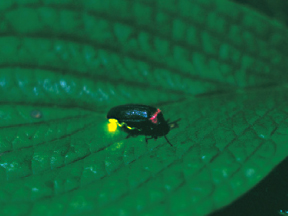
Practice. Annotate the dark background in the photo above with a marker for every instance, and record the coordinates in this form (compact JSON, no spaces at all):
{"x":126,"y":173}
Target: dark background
{"x":271,"y":194}
{"x":267,"y":198}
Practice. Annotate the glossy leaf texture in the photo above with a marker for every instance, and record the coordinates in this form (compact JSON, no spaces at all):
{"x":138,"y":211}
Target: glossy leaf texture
{"x":217,"y":66}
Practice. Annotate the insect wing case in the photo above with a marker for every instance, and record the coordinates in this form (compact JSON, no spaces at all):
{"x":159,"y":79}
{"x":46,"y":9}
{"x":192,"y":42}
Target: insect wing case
{"x":138,"y":117}
{"x":131,"y":112}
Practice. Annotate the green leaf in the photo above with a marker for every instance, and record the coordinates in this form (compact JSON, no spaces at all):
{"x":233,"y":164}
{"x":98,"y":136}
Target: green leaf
{"x":217,"y":66}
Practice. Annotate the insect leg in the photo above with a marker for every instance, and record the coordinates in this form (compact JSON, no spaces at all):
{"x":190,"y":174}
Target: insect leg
{"x":146,"y":139}
{"x":168,"y":141}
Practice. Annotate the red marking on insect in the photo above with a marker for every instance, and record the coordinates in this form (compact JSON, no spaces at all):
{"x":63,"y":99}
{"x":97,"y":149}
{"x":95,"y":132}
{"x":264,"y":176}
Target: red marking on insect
{"x":154,"y":116}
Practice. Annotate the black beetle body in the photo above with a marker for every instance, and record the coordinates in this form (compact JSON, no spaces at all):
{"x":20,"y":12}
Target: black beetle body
{"x":137,"y":119}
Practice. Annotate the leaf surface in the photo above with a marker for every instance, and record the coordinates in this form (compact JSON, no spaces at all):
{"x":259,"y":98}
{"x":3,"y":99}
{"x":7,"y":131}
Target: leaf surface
{"x":65,"y":64}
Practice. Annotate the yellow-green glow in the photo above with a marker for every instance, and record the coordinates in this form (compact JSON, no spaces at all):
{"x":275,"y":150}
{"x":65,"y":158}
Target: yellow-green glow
{"x":115,"y":146}
{"x":121,"y":125}
{"x":112,"y":126}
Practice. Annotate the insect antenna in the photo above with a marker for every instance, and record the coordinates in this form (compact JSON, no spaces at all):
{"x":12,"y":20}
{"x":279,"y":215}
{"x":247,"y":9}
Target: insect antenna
{"x":174,"y":124}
